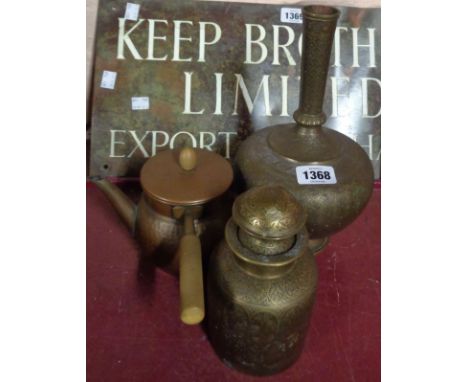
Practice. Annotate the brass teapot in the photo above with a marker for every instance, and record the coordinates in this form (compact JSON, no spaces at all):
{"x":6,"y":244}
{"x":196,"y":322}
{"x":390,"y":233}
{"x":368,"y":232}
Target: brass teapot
{"x":328,"y":173}
{"x":182,"y":201}
{"x":261,"y":283}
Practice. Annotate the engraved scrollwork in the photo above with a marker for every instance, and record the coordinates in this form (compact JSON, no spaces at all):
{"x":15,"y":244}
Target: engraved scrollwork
{"x":259,"y":324}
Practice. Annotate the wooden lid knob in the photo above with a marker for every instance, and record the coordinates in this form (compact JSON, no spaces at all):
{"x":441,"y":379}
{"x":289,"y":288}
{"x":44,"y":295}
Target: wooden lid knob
{"x":188,"y":158}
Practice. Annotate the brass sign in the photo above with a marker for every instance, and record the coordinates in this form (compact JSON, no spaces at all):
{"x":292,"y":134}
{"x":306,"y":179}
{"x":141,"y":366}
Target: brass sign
{"x":208,"y":74}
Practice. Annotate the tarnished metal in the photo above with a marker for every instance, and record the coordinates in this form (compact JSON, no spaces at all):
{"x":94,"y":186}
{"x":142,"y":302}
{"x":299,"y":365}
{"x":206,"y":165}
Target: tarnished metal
{"x":272,"y":155}
{"x":281,"y":215}
{"x":215,"y":95}
{"x":259,"y":305}
{"x":167,"y":223}
{"x":164,"y":180}
{"x":156,"y":221}
{"x":269,"y":217}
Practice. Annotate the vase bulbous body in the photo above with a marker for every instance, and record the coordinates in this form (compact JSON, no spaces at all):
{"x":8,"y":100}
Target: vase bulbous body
{"x":329,"y":207}
{"x":327,"y":172}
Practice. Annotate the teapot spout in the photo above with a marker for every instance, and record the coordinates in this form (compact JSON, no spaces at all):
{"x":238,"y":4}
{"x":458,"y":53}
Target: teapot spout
{"x":121,"y":202}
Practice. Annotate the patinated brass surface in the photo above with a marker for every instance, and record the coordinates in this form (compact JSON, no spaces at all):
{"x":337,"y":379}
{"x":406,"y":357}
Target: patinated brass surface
{"x":265,"y":246}
{"x":164,"y":179}
{"x":259,"y":305}
{"x":268,"y":212}
{"x":159,"y":235}
{"x":269,"y":217}
{"x":271,"y":155}
{"x":158,"y":226}
{"x":166,"y":222}
{"x":196,"y":95}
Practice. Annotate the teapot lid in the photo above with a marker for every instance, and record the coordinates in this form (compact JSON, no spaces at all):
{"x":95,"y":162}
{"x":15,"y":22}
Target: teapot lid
{"x":186,"y":177}
{"x":269,"y":212}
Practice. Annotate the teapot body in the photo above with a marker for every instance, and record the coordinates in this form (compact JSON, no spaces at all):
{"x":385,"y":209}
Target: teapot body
{"x":158,"y":235}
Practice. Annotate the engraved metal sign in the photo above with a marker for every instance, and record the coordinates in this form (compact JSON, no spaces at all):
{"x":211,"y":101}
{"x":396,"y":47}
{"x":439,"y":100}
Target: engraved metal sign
{"x":208,"y":74}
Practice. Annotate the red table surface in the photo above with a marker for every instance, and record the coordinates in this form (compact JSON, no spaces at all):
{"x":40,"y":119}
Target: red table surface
{"x":134,"y":334}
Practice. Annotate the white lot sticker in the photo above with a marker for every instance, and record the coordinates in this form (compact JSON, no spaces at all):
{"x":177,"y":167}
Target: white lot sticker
{"x":131,"y":12}
{"x":315,"y":175}
{"x":291,"y":15}
{"x":140,"y":103}
{"x":108,"y":79}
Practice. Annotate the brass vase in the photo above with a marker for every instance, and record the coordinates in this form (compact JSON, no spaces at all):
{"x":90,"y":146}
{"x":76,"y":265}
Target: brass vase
{"x":328,"y":173}
{"x":261,"y":283}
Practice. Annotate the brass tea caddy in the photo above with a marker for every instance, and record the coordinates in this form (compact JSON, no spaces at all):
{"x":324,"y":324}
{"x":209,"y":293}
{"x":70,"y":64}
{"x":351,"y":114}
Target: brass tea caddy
{"x":261,"y":283}
{"x":181,"y":203}
{"x":327,"y":172}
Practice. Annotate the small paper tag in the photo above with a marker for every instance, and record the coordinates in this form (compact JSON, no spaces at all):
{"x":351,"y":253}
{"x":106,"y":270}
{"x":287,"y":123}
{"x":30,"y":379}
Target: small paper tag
{"x":108,"y":79}
{"x":291,"y":15}
{"x":315,"y":175}
{"x":131,"y":12}
{"x":140,"y":103}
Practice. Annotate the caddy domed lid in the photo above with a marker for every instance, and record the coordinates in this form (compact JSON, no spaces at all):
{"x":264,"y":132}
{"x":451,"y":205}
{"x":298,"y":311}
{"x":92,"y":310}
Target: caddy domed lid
{"x":186,"y":177}
{"x":269,"y":212}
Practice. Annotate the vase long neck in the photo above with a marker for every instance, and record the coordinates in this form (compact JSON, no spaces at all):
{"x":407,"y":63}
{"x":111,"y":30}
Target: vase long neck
{"x":319,"y":29}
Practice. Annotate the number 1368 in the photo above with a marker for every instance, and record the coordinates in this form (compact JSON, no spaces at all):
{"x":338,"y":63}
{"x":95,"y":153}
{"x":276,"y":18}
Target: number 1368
{"x":312,"y":174}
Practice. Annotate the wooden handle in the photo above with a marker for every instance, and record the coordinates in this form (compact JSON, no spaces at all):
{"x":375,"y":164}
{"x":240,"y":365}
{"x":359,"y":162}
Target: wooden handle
{"x":192,"y":304}
{"x":188,"y":158}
